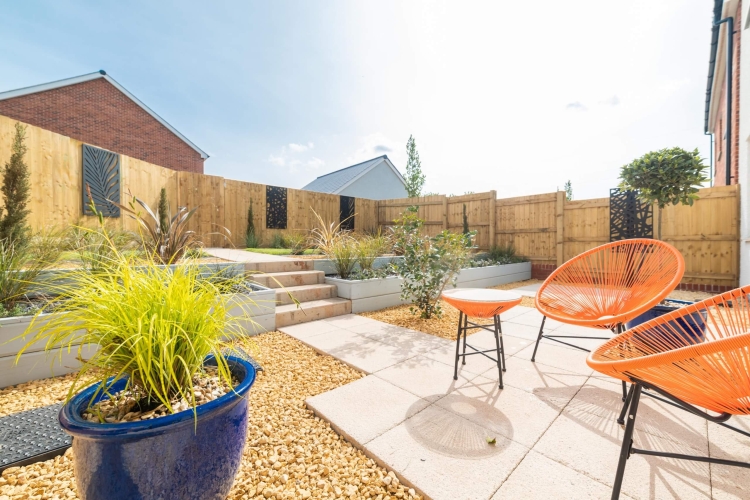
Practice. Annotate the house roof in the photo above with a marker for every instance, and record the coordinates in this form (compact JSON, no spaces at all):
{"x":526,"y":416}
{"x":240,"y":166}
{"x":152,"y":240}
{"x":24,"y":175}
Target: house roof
{"x":93,"y":76}
{"x":337,"y":181}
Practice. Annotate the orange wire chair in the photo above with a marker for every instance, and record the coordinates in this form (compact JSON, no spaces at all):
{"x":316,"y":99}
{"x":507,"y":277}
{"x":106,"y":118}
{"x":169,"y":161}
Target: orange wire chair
{"x":696,"y":356}
{"x":608,"y":285}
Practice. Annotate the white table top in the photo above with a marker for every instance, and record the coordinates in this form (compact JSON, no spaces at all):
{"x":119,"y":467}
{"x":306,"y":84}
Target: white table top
{"x":481,"y":295}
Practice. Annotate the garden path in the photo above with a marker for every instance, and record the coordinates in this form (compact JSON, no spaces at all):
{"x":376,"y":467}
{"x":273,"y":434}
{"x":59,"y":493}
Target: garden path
{"x":553,"y":424}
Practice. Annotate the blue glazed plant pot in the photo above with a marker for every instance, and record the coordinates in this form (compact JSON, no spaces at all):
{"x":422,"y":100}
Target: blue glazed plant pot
{"x":692,"y":326}
{"x":163,"y":458}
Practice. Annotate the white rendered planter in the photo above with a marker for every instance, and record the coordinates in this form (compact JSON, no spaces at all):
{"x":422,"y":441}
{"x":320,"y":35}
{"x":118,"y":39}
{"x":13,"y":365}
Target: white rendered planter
{"x":35,"y":363}
{"x":379,"y":293}
{"x":328,"y":268}
{"x":259,"y":304}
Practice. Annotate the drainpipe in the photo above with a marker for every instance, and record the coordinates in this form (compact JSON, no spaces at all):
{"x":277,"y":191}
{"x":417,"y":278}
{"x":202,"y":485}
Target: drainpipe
{"x":730,"y":57}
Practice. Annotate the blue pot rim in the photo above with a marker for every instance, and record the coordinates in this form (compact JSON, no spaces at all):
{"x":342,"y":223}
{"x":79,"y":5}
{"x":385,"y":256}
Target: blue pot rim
{"x":72,"y":422}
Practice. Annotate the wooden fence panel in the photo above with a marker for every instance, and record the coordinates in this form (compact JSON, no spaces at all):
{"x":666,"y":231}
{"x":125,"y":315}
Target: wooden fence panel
{"x":431,"y":210}
{"x":707,"y":235}
{"x":207,"y":193}
{"x":528,"y":222}
{"x":585,"y":226}
{"x":237,"y":198}
{"x":300,"y":206}
{"x":366,"y":218}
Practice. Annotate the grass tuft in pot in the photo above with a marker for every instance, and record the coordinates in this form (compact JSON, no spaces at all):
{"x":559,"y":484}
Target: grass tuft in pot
{"x":154,"y":325}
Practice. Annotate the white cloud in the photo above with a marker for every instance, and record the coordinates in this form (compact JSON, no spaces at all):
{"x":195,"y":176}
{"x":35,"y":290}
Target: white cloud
{"x":290,"y":156}
{"x":300,"y":148}
{"x":277,"y":160}
{"x":315,"y":163}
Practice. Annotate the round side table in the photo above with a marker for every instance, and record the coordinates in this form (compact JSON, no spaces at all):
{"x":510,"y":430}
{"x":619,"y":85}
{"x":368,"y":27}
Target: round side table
{"x":481,"y":303}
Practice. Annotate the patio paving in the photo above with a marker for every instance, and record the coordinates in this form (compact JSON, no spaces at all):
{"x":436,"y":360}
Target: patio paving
{"x":553,"y":424}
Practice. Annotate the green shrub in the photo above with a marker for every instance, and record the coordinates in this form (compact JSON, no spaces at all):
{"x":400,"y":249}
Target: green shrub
{"x":16,"y":191}
{"x":368,"y":249}
{"x":503,"y":254}
{"x":21,"y":265}
{"x":164,"y":210}
{"x":429,"y":265}
{"x":154,"y":325}
{"x":277,"y":241}
{"x":296,"y":242}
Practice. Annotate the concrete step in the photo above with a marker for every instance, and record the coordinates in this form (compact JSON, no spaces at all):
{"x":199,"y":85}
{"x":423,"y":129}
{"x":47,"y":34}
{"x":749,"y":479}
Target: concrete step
{"x":284,"y":266}
{"x":314,"y":310}
{"x":292,"y":278}
{"x":304,"y":293}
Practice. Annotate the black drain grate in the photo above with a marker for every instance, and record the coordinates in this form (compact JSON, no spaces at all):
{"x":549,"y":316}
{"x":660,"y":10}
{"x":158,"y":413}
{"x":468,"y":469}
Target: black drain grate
{"x":31,"y":436}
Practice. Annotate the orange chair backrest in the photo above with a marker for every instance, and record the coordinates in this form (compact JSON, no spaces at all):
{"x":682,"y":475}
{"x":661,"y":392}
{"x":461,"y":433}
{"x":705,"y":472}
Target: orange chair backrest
{"x":612,"y":283}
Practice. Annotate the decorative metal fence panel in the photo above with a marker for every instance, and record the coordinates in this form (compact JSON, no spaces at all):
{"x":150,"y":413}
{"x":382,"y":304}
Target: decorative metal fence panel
{"x":101,"y":178}
{"x":275,"y":207}
{"x":629,"y":217}
{"x":347,"y":213}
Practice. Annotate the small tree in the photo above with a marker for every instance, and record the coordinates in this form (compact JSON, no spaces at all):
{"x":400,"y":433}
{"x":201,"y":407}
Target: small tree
{"x":465,"y":221}
{"x":568,"y":191}
{"x":668,"y":176}
{"x":163,"y":209}
{"x":429,"y":264}
{"x":251,"y":239}
{"x":414,"y":177}
{"x":16,"y":190}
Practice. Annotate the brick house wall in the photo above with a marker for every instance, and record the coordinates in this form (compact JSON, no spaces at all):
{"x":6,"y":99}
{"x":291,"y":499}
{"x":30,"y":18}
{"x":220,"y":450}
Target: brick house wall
{"x":721,"y":115}
{"x":97,"y":113}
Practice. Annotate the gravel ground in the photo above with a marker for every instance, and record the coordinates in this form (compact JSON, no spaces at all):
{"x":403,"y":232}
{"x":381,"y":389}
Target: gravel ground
{"x":290,"y":453}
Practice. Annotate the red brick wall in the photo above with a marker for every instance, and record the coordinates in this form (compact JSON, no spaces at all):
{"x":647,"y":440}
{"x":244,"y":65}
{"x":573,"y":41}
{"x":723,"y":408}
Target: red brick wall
{"x":721,"y":114}
{"x":96,"y":113}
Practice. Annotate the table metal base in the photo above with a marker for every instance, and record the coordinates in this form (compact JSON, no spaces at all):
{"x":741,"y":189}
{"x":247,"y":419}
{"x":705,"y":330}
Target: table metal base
{"x":464,"y":325}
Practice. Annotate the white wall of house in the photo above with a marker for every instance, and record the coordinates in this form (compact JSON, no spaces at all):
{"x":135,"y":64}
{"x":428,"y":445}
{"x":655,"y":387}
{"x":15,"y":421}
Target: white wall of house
{"x":380,"y":183}
{"x":744,"y":148}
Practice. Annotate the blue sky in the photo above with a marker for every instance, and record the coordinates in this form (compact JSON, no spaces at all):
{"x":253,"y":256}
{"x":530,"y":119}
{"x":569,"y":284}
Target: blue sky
{"x":513,"y":96}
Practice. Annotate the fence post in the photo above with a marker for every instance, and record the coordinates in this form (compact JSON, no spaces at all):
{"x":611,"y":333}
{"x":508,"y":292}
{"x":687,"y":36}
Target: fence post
{"x":491,"y":229}
{"x":559,"y":210}
{"x":445,"y":213}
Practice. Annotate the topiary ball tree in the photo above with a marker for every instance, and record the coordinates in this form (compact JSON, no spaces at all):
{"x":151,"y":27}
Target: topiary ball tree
{"x":669,"y":176}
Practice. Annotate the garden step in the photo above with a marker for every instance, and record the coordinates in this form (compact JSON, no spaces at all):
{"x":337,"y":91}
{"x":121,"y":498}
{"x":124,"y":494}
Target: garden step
{"x":290,"y":314}
{"x":284,"y":266}
{"x":287,"y":279}
{"x":304,"y":293}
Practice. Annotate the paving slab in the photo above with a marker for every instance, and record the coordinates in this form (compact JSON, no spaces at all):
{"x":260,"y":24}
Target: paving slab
{"x":366,"y":408}
{"x":539,"y":478}
{"x":512,"y":413}
{"x":554,"y":422}
{"x":424,"y":377}
{"x":446,"y":456}
{"x":528,"y":290}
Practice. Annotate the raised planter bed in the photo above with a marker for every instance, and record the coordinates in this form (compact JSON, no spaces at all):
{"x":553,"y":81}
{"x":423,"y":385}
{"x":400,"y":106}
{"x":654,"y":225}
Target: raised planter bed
{"x":326,"y":265}
{"x":378,"y":293}
{"x":35,"y":363}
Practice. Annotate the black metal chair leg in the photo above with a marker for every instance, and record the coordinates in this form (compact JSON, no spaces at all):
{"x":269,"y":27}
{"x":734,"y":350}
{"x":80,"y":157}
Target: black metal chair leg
{"x":541,"y":329}
{"x":624,"y":390}
{"x":627,"y":441}
{"x":502,"y":346}
{"x":628,"y":397}
{"x":466,"y":324}
{"x":498,"y":351}
{"x":458,"y":345}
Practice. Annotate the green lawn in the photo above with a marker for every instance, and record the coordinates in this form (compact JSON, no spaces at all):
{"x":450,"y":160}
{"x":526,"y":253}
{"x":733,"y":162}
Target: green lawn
{"x":279,"y":251}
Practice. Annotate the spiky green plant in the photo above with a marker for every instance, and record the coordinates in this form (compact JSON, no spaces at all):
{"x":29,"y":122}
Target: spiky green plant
{"x":251,"y":238}
{"x":368,"y":248}
{"x":295,"y":241}
{"x":343,"y":254}
{"x":167,"y":244}
{"x":154,"y":326}
{"x":16,"y":190}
